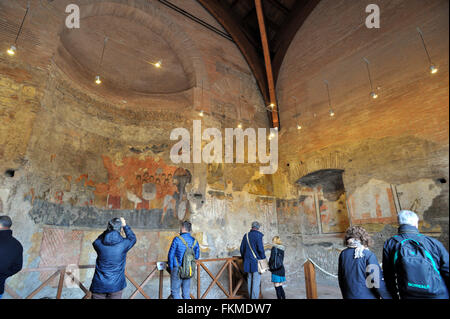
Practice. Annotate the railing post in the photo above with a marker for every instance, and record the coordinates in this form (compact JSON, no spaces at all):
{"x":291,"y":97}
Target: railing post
{"x":199,"y":292}
{"x":161,"y":283}
{"x":310,"y":280}
{"x":230,"y":278}
{"x":62,"y":273}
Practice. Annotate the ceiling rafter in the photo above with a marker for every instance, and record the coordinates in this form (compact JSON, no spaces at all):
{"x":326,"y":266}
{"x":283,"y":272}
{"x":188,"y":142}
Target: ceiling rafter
{"x":281,"y":23}
{"x":268,"y":64}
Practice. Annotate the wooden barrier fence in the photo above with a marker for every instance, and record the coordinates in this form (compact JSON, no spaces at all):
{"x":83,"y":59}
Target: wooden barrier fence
{"x":231,"y":267}
{"x":233,"y":272}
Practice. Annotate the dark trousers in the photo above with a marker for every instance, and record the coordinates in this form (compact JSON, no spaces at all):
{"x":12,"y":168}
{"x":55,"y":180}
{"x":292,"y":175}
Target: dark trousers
{"x":108,"y":295}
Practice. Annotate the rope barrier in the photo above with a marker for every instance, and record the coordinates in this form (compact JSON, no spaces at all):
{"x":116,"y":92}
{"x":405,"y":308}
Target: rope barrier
{"x":320,"y":268}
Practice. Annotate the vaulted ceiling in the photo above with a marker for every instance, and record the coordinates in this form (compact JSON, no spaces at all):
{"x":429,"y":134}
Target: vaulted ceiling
{"x":261,"y":29}
{"x":282,"y":19}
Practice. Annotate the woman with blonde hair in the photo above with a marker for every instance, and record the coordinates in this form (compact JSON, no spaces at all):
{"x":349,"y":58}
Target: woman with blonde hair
{"x":276,"y":266}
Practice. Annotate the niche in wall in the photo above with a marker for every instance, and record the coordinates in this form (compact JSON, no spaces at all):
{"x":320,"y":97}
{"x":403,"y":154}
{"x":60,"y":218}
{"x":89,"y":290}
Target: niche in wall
{"x":322,"y":202}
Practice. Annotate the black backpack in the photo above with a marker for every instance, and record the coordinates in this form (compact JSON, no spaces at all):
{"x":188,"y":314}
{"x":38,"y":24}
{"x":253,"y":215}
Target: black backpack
{"x":188,"y":264}
{"x":275,"y":262}
{"x":417,"y":272}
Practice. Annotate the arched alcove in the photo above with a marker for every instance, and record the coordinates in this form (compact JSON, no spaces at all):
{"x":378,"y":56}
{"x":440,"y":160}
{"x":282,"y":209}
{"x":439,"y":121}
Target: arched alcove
{"x":322,"y":202}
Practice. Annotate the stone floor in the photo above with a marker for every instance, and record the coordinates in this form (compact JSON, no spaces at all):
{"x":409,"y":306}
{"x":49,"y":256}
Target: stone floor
{"x":298,"y":291}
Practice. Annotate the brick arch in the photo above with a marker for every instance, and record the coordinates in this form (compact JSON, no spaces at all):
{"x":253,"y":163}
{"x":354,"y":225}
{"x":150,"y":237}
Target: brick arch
{"x":316,"y":162}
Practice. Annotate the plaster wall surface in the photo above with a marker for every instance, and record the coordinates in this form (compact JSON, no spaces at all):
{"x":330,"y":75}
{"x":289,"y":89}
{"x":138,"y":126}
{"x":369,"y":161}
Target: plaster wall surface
{"x":393,"y":150}
{"x":83,"y":153}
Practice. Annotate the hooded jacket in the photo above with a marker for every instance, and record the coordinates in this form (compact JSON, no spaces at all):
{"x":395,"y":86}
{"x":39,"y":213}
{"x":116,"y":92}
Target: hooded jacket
{"x":11,"y":257}
{"x":278,"y":251}
{"x":433,"y":246}
{"x":256,"y":240}
{"x":353,"y":273}
{"x":111,"y":250}
{"x":177,"y":249}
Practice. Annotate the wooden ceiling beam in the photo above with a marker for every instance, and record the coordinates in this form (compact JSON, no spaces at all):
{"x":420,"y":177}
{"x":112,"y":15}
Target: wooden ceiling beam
{"x":280,"y":45}
{"x":232,"y":26}
{"x":268,"y":64}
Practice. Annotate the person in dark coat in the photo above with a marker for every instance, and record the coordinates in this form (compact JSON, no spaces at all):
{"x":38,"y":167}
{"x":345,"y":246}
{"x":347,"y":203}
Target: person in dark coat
{"x":175,"y":259}
{"x":251,"y":255}
{"x":11,"y":253}
{"x":359,"y":274}
{"x":277,"y":266}
{"x":438,"y":258}
{"x":109,"y":277}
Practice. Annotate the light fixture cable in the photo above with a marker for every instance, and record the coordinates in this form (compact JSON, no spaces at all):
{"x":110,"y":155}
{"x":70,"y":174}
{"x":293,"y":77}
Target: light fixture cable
{"x":329,"y":98}
{"x":368,"y":72}
{"x":23,"y":20}
{"x":424,"y":45}
{"x":433,"y":68}
{"x":103,"y":53}
{"x":328,"y":92}
{"x":297,"y":112}
{"x":239,"y":100}
{"x":97,"y":77}
{"x":201,"y":102}
{"x":373,"y":94}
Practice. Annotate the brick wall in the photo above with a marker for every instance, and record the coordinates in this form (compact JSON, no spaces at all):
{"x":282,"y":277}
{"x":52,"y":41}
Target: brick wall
{"x":394,"y":149}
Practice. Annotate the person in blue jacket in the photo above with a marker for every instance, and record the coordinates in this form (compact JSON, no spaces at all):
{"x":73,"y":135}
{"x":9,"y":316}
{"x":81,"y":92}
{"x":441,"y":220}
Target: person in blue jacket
{"x":175,"y":259}
{"x":251,"y":255}
{"x":437,"y":272}
{"x":109,"y":277}
{"x":359,"y":274}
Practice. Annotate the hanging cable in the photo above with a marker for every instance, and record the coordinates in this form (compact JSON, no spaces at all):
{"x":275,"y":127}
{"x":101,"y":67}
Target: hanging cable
{"x":23,"y":20}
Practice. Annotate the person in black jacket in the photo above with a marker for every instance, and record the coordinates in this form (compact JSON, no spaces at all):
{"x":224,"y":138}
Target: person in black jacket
{"x":11,"y":253}
{"x":277,"y":267}
{"x":424,"y":273}
{"x":359,"y":274}
{"x":109,"y":277}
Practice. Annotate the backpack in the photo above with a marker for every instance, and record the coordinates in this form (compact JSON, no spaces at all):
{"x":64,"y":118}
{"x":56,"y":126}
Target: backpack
{"x":188,"y":264}
{"x":417,"y":273}
{"x":275,"y":262}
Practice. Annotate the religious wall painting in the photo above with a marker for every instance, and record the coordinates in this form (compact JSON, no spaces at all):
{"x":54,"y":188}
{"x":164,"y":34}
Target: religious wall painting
{"x":144,"y":190}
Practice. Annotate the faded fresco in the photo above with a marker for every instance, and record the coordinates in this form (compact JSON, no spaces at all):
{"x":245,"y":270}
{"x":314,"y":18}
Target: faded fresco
{"x":373,"y":203}
{"x":308,"y":211}
{"x":148,"y":193}
{"x":288,"y":216}
{"x":333,"y":214}
{"x":301,"y":216}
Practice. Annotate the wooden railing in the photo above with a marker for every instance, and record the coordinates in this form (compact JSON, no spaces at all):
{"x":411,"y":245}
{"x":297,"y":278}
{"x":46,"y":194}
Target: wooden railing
{"x":229,"y":264}
{"x":232,"y":265}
